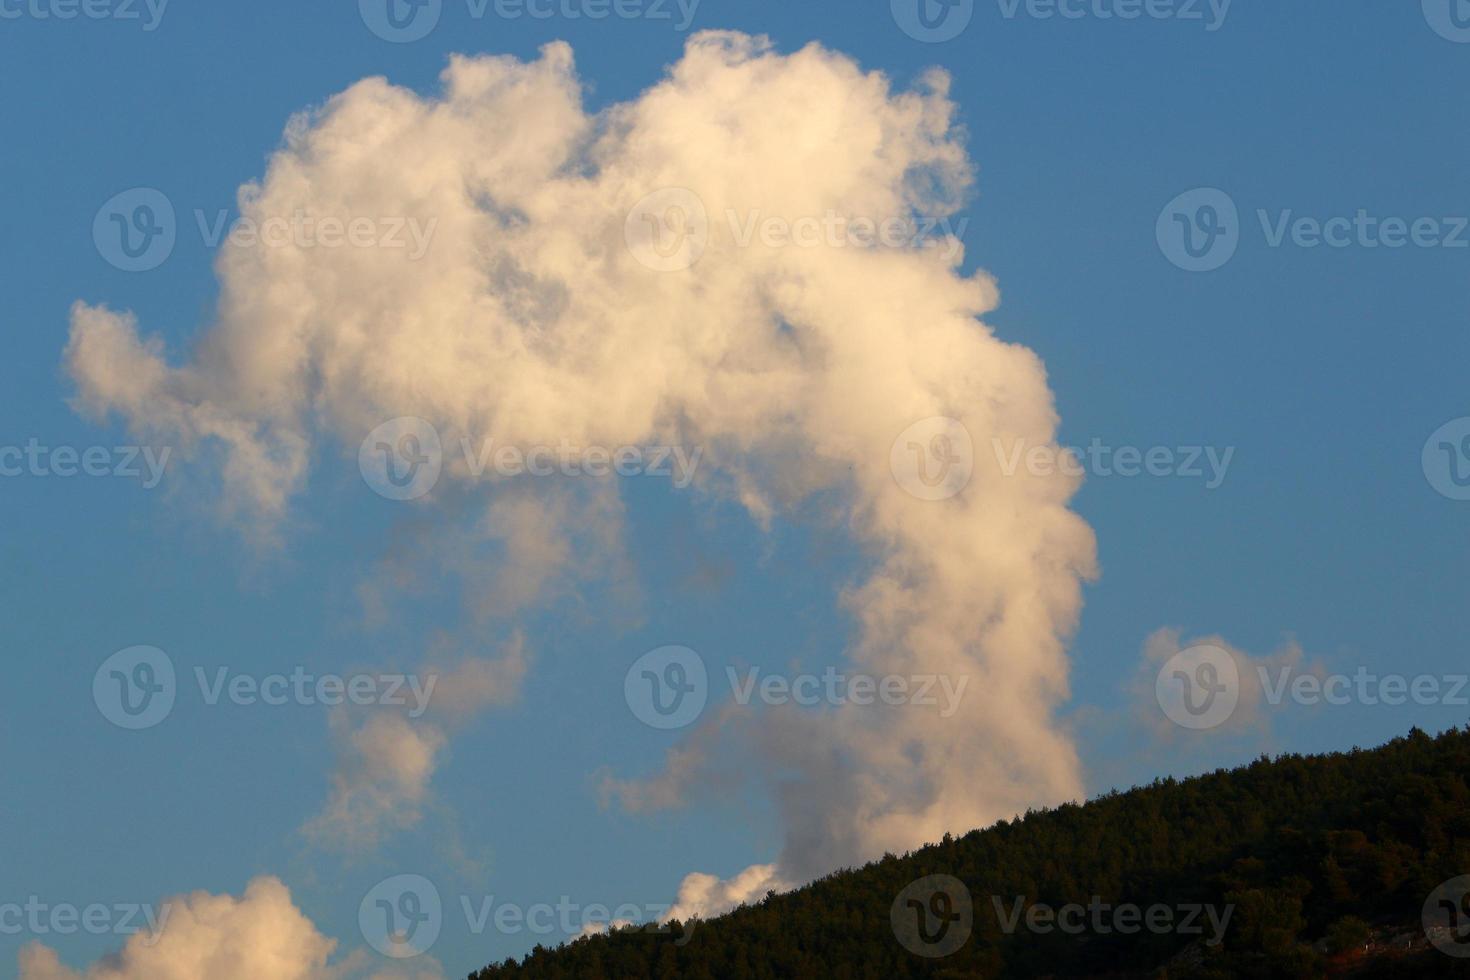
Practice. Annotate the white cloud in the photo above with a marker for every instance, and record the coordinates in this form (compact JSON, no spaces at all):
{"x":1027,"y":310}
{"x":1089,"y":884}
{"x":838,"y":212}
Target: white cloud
{"x":795,"y":368}
{"x":260,"y":936}
{"x":386,"y":758}
{"x":706,"y":896}
{"x":1251,"y":712}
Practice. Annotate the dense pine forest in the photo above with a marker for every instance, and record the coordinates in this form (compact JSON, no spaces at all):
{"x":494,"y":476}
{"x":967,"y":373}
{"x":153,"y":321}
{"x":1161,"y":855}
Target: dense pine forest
{"x":1314,"y":866}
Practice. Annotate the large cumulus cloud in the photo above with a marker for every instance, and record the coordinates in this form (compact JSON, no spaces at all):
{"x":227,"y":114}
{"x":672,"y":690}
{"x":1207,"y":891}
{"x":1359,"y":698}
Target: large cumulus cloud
{"x":795,"y":368}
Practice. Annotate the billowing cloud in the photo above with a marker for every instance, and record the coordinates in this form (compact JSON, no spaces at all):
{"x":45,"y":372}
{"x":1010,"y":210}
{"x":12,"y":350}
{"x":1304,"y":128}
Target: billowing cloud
{"x":387,"y":755}
{"x":704,"y":895}
{"x":538,"y":317}
{"x":1246,"y":684}
{"x":260,"y":936}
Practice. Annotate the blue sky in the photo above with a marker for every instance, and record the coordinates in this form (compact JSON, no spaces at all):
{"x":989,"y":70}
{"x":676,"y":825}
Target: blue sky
{"x":1325,"y":369}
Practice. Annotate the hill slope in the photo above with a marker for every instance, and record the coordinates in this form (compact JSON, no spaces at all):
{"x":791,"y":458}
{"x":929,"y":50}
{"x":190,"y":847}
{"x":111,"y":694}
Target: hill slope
{"x":1299,"y":866}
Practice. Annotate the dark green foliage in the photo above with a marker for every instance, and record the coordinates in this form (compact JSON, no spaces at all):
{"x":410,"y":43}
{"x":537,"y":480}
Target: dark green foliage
{"x":1316,"y":857}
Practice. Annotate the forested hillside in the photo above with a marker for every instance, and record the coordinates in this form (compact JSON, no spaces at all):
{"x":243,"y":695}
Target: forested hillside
{"x":1301,"y":866}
